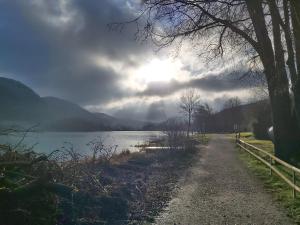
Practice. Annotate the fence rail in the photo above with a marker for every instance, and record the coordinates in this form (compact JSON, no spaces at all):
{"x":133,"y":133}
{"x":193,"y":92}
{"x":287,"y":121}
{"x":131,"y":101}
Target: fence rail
{"x":270,"y":160}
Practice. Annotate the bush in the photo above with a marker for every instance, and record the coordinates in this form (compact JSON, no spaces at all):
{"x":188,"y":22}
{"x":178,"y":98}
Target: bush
{"x":176,"y":137}
{"x":263,"y":123}
{"x":101,"y":151}
{"x":24,"y":188}
{"x":60,"y":188}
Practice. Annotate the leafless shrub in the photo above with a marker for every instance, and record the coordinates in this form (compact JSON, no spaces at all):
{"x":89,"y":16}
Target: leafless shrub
{"x":174,"y":130}
{"x":96,"y":147}
{"x":101,"y":151}
{"x":70,"y":154}
{"x":124,"y":152}
{"x":28,"y":179}
{"x":64,"y":178}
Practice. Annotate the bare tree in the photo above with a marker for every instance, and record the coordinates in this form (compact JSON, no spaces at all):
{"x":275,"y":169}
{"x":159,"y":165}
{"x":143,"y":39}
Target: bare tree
{"x":267,"y":32}
{"x":202,"y":117}
{"x":189,"y":101}
{"x":233,"y":114}
{"x":232,"y":103}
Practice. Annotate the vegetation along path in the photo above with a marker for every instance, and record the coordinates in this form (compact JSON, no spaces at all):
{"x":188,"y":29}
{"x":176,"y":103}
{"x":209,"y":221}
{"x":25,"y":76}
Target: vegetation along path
{"x":219,"y":189}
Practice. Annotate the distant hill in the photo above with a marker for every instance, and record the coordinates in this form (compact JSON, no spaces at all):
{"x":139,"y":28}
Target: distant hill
{"x":20,"y":105}
{"x":249,"y":113}
{"x":17,"y":101}
{"x":244,"y":115}
{"x":120,"y":123}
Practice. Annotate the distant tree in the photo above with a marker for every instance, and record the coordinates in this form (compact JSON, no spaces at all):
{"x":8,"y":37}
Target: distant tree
{"x":232,"y":103}
{"x":189,"y":101}
{"x":203,"y":117}
{"x":233,"y":113}
{"x":174,"y":130}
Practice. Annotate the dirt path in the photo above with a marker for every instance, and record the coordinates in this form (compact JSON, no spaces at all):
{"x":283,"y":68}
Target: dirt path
{"x":220,"y":190}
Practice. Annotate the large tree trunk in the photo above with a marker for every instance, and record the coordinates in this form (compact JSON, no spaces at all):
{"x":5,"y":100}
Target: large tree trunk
{"x":296,"y":92}
{"x":295,"y":14}
{"x":286,"y":131}
{"x":189,"y":125}
{"x":295,"y":17}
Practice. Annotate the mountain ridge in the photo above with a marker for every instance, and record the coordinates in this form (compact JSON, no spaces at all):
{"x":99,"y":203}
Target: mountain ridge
{"x":21,"y":105}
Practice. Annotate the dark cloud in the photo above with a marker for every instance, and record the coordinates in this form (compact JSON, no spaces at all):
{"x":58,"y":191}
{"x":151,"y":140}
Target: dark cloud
{"x":96,"y":85}
{"x":212,"y":83}
{"x":48,"y":45}
{"x":160,"y":88}
{"x":156,"y":112}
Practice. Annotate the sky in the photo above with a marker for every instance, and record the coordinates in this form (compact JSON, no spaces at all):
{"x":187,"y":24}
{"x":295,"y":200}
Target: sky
{"x":65,"y":49}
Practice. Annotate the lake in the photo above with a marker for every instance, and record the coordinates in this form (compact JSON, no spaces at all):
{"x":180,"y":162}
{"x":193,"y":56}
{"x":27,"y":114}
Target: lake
{"x":46,"y":142}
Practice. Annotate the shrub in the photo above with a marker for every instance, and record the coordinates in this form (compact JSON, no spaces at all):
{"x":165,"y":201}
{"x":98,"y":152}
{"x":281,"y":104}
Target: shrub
{"x":101,"y":151}
{"x":174,"y":130}
{"x":263,"y":122}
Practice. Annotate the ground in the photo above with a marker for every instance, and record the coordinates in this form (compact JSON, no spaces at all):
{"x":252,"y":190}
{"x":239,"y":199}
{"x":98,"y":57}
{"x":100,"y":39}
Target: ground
{"x":219,"y":189}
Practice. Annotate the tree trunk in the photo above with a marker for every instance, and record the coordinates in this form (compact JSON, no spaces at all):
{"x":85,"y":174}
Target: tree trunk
{"x":295,"y":17}
{"x":189,"y":125}
{"x":296,"y":92}
{"x":286,"y":131}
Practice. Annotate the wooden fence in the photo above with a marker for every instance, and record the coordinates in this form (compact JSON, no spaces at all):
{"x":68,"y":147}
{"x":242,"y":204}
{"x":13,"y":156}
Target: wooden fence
{"x":288,"y":173}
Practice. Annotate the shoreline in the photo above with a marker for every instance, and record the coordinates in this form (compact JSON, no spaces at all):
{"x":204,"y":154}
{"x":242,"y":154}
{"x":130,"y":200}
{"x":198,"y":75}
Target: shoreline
{"x":127,"y":188}
{"x":138,"y":185}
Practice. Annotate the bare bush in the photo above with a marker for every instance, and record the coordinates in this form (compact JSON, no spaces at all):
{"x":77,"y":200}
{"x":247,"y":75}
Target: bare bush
{"x":29,"y":184}
{"x":174,"y":130}
{"x":102,"y":151}
{"x":34,"y":186}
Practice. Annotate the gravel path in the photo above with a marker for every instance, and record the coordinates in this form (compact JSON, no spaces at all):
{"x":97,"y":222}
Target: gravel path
{"x":219,"y":189}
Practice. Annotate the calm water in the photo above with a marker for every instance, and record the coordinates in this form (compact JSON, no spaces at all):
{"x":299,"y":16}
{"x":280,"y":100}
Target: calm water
{"x":46,"y":142}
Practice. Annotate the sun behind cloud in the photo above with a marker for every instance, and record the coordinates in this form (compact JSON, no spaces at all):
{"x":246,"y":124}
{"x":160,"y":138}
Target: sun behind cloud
{"x":157,"y":70}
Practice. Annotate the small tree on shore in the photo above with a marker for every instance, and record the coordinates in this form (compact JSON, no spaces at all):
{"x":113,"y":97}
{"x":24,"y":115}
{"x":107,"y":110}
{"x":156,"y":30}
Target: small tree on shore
{"x":173,"y":129}
{"x":189,"y":101}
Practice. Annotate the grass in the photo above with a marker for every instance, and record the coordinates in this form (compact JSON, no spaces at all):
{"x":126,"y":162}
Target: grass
{"x":280,"y":190}
{"x":266,"y":145}
{"x":203,"y":139}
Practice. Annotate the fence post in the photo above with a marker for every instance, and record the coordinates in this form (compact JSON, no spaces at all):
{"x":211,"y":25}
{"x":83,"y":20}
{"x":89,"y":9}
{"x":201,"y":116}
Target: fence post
{"x":294,"y":181}
{"x":270,"y":161}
